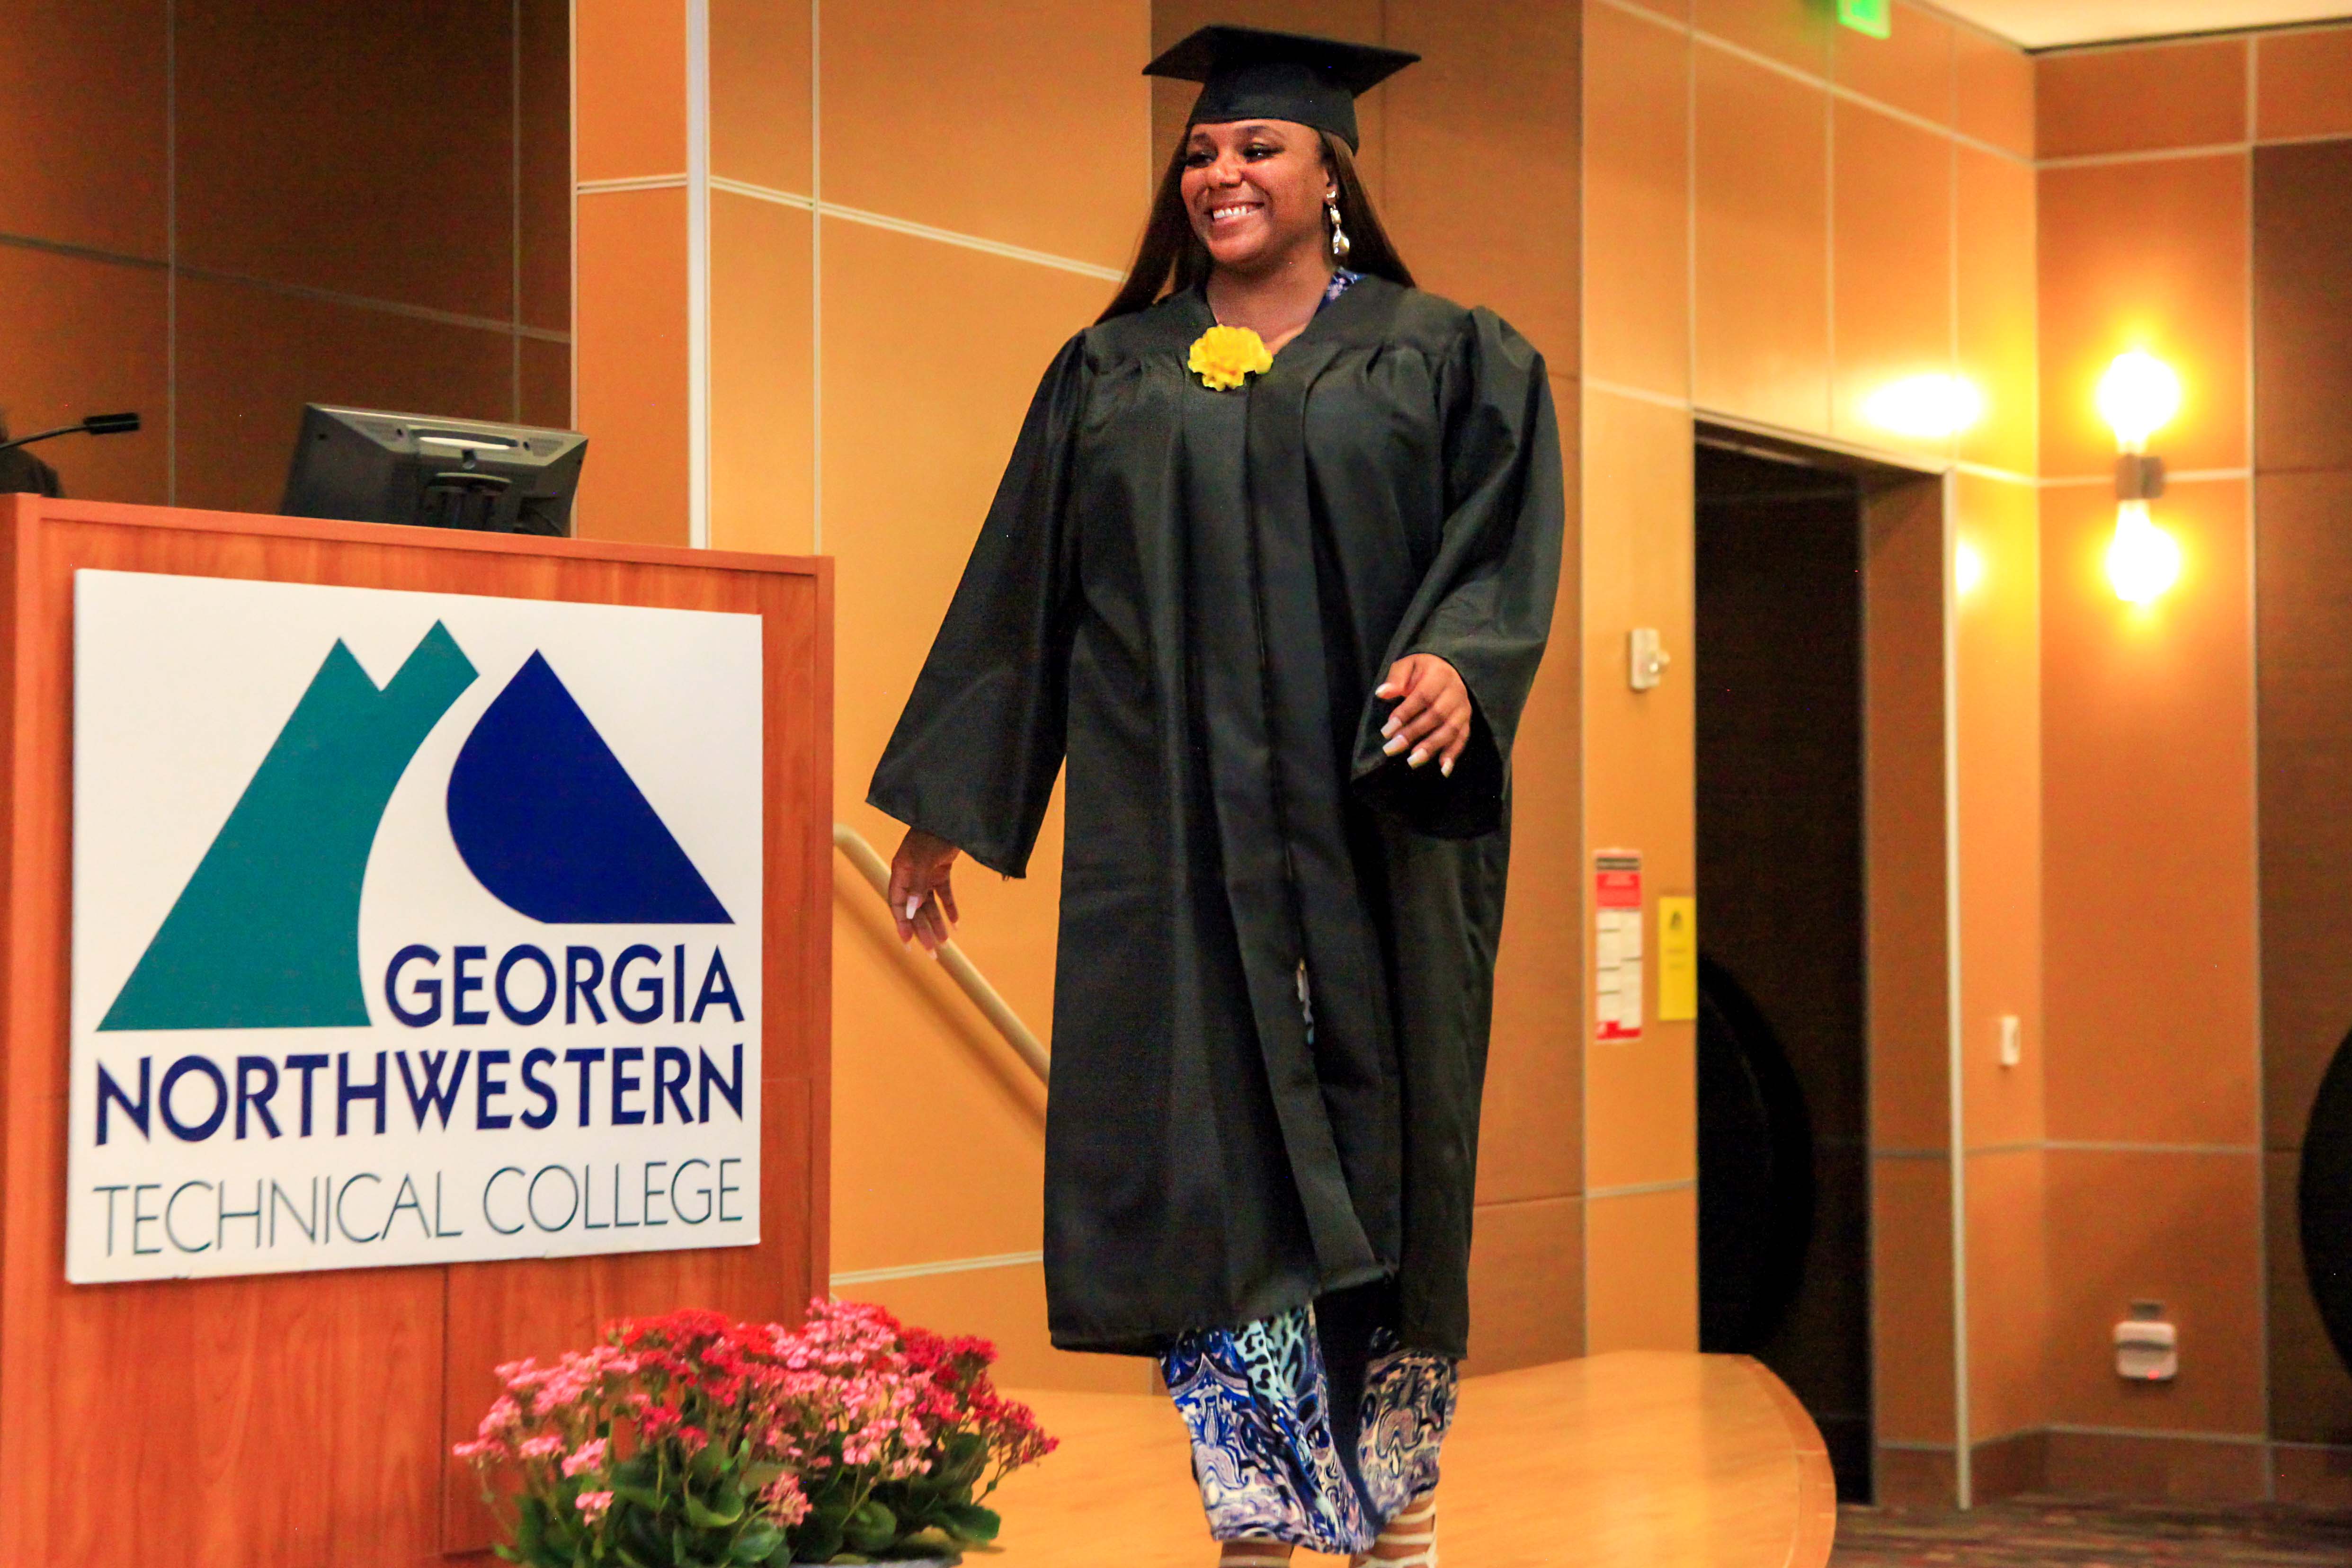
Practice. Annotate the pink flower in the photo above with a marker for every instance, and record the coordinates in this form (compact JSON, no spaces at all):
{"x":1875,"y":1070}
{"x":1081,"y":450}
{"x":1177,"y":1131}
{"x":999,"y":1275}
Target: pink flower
{"x":547,"y":1444}
{"x":594,"y":1504}
{"x":587,"y":1456}
{"x":784,"y":1500}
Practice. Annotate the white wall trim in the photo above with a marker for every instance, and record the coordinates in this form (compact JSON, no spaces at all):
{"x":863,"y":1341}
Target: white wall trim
{"x":944,"y":1265}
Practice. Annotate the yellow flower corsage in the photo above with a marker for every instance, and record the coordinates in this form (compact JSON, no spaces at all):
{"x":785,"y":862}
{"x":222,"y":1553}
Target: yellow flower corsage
{"x":1224,"y":357}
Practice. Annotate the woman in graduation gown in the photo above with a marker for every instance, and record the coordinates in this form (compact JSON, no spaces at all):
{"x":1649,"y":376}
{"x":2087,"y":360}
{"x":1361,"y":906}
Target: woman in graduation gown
{"x":1272,"y":567}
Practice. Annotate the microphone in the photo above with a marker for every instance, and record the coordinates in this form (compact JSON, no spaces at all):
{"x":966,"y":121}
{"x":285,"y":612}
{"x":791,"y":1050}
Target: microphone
{"x":91,"y":425}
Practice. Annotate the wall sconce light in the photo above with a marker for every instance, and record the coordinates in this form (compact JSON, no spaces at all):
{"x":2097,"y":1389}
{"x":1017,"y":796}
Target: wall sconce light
{"x":1968,"y":568}
{"x":2137,"y":396}
{"x":1930,"y":408}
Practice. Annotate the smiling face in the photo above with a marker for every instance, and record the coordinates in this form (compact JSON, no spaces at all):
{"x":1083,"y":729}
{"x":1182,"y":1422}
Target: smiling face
{"x":1254,"y":191}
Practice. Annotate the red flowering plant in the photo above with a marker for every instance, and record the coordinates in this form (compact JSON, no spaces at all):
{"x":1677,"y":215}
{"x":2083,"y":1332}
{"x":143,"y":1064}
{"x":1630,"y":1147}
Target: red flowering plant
{"x":695,"y":1441}
{"x":656,"y":1447}
{"x":959,"y":1437}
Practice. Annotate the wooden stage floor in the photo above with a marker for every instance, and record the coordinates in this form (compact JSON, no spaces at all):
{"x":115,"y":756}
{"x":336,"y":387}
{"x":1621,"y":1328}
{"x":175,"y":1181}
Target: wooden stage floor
{"x":1635,"y":1459}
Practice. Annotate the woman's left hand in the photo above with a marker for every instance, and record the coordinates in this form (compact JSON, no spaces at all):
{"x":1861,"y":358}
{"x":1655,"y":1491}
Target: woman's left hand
{"x":1431,"y":715}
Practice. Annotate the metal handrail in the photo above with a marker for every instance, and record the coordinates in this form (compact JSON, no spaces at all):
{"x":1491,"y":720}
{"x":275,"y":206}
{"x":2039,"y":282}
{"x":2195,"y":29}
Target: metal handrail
{"x":1026,"y":1046}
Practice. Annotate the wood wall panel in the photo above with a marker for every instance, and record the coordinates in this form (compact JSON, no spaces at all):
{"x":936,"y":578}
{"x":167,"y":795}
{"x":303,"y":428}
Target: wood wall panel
{"x":286,"y":1421}
{"x":82,"y":127}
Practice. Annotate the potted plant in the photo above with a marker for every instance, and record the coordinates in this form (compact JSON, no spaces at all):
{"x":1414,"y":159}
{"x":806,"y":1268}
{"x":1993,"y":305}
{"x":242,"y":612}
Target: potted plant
{"x":691,"y":1440}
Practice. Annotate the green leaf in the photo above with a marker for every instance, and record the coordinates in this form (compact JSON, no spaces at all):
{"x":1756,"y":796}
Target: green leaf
{"x":761,"y":1475}
{"x":728,"y":1510}
{"x":872,"y":1528}
{"x":760,"y":1538}
{"x":644,"y":1497}
{"x":970,"y":1522}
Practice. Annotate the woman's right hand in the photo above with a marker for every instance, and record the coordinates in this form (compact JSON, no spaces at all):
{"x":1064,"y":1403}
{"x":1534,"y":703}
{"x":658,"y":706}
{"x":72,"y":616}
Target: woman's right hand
{"x":921,"y":901}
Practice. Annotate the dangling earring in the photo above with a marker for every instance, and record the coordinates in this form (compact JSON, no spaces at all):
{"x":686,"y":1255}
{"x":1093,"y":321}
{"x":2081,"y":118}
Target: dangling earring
{"x":1338,"y":235}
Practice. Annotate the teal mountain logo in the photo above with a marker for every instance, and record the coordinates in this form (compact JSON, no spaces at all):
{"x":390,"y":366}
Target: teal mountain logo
{"x":265,"y":934}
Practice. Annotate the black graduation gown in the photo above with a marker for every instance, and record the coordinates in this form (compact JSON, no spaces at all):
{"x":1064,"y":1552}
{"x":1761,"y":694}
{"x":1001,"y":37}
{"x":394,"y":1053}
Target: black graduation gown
{"x":1192,"y":594}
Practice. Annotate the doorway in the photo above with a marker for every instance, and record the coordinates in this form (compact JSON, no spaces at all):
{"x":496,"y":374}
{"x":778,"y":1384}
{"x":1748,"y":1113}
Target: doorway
{"x":1783,"y":549}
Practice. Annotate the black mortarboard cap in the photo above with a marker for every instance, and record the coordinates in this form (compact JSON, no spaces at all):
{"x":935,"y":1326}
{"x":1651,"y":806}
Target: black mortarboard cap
{"x":1249,"y":73}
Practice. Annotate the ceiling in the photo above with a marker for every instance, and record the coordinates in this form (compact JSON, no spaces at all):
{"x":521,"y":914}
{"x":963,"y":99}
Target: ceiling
{"x":2046,"y":24}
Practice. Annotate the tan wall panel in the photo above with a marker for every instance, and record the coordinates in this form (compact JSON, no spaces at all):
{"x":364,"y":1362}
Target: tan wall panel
{"x":249,"y":358}
{"x":2152,"y":255}
{"x":2182,"y":1229}
{"x":760,"y":92}
{"x":2139,"y":99}
{"x":1637,"y":201}
{"x":1797,"y":36}
{"x":761,"y":328}
{"x":938,"y":1131}
{"x":1005,"y":1306}
{"x":1996,"y":308}
{"x":927,"y":1101}
{"x":1911,"y":1304}
{"x":1527,"y":1278}
{"x":2299,"y":83}
{"x":630,"y":352}
{"x":1637,"y":572}
{"x":1640,"y":1122}
{"x":331,"y":146}
{"x":629,"y":62}
{"x":1911,"y":69}
{"x":2149,"y":804}
{"x":1641,"y":1259}
{"x":82,"y":133}
{"x":1762,"y":315}
{"x":1479,"y":187}
{"x":1993,"y":90}
{"x":79,"y":337}
{"x":925,"y":102}
{"x":1999,"y":725}
{"x":2008,"y":1305}
{"x":1893,"y":309}
{"x":1641,"y":1111}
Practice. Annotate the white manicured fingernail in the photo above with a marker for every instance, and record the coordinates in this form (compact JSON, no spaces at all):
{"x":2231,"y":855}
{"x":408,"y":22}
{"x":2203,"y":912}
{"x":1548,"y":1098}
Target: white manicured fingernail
{"x":1420,"y":755}
{"x":1385,"y":688}
{"x":1446,"y":767}
{"x":912,"y":905}
{"x":1390,"y":728}
{"x":1394,"y":747}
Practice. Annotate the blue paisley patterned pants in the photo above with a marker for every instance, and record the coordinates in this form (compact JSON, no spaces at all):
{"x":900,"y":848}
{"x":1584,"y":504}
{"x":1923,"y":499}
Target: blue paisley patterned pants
{"x":1314,"y":1426}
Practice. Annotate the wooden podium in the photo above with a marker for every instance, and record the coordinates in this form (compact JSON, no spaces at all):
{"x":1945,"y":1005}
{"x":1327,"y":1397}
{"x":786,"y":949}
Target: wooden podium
{"x":305,"y":1419}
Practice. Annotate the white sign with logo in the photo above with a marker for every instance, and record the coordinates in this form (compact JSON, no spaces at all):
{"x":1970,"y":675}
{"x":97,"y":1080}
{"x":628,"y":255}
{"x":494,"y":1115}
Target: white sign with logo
{"x":408,"y":928}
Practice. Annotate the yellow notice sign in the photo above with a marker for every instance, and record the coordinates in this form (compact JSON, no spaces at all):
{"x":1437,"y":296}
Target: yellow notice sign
{"x":1677,"y":958}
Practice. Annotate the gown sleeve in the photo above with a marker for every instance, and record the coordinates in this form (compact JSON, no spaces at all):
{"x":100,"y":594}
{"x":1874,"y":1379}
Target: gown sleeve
{"x":976,"y":751}
{"x":1484,"y":604}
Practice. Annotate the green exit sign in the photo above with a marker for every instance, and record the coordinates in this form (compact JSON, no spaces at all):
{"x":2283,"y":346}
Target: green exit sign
{"x":1873,"y":17}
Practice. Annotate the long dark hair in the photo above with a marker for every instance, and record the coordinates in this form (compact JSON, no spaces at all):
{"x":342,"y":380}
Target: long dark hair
{"x":1171,"y":258}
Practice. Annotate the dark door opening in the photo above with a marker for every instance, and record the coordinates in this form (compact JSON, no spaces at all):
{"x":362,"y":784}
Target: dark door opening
{"x":1784,"y":1241}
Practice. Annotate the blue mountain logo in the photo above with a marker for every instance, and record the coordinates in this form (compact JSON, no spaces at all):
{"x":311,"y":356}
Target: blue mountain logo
{"x":265,"y":934}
